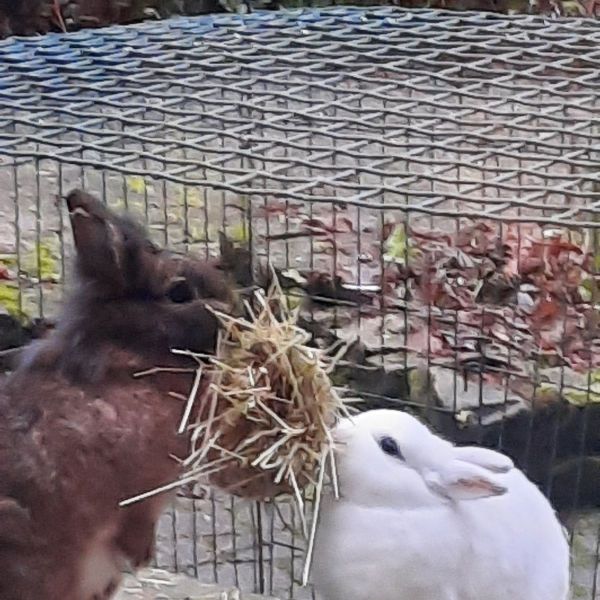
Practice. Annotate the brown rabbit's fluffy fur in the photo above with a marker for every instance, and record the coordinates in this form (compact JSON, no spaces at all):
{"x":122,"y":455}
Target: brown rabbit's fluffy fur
{"x":78,"y":433}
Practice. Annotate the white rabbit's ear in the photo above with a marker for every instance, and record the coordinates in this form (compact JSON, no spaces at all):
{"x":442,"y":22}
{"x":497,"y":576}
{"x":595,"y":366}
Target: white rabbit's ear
{"x":482,"y":457}
{"x":458,"y":480}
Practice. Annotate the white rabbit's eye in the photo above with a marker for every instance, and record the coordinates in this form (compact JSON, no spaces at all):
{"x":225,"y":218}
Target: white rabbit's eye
{"x":390,"y":447}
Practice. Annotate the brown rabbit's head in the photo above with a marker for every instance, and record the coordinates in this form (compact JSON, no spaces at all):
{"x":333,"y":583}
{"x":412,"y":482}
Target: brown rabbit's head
{"x":129,"y":295}
{"x":73,"y":407}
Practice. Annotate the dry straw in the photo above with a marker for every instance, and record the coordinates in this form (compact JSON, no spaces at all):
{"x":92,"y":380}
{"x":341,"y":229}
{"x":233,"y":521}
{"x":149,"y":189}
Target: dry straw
{"x":264,"y":426}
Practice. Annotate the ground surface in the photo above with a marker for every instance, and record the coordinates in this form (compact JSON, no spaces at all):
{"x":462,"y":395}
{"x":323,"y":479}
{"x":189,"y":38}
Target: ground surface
{"x":154,"y":584}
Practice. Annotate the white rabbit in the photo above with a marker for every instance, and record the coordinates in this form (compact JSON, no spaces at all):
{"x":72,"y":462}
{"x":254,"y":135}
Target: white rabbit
{"x":420,"y":519}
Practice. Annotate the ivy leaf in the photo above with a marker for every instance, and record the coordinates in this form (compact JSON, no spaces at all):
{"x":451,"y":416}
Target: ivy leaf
{"x":397,"y":246}
{"x":294,"y":298}
{"x":573,"y":8}
{"x":9,"y":299}
{"x":579,"y":397}
{"x":238,"y":233}
{"x":546,"y":393}
{"x":8,"y":260}
{"x":136,"y":184}
{"x":42,"y":262}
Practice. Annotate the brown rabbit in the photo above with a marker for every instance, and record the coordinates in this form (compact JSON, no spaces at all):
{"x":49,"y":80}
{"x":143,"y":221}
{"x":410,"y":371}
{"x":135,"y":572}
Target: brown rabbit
{"x":78,"y":433}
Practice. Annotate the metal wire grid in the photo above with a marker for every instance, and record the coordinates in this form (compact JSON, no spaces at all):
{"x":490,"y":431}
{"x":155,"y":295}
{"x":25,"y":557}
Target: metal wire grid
{"x":496,"y":113}
{"x":427,"y":112}
{"x":267,"y":124}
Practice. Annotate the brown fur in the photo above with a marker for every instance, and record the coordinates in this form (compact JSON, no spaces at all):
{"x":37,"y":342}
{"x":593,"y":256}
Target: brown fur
{"x":78,"y":433}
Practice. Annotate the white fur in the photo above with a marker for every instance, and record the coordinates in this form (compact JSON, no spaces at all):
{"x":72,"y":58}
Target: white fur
{"x":415,"y":529}
{"x":101,"y":566}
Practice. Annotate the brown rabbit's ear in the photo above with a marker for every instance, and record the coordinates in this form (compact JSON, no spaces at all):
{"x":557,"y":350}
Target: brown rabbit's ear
{"x":100,"y":240}
{"x":237,"y":261}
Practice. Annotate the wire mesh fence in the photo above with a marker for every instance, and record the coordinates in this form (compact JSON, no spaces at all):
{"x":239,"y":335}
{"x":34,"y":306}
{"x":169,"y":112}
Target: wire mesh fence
{"x":425,"y":182}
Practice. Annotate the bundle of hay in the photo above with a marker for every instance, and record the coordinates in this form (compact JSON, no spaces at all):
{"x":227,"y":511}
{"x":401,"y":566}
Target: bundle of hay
{"x":264,"y":426}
